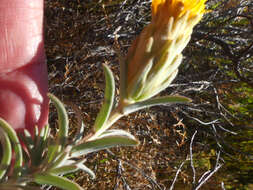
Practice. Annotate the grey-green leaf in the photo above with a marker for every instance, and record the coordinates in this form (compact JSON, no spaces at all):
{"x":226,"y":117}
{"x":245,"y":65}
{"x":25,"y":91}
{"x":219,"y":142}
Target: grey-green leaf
{"x":116,"y":132}
{"x":86,"y":169}
{"x":27,"y":139}
{"x":57,"y":181}
{"x":15,"y":141}
{"x":42,"y":140}
{"x":154,"y":102}
{"x":59,"y":160}
{"x":62,"y":120}
{"x":7,"y":153}
{"x":45,"y":133}
{"x":53,"y":152}
{"x":108,"y":101}
{"x":102,"y":143}
{"x":64,"y":170}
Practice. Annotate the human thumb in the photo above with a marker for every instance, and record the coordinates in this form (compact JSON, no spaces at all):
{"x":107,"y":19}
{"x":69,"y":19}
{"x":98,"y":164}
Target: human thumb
{"x":23,"y":72}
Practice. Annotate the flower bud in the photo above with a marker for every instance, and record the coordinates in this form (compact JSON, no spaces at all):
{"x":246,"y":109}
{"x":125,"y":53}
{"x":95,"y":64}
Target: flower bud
{"x":154,"y":57}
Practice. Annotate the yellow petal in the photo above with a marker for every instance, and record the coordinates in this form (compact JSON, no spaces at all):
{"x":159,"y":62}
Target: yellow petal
{"x":176,"y":8}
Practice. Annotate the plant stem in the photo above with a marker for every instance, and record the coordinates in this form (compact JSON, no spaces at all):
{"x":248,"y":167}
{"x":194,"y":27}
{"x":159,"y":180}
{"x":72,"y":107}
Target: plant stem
{"x":115,"y":115}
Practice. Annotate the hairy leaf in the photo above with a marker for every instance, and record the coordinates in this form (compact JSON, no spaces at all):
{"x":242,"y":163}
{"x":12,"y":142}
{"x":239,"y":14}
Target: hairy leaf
{"x":109,"y":98}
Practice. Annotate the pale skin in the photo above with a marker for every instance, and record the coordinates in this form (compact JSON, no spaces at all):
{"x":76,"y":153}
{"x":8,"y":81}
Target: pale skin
{"x":23,"y":72}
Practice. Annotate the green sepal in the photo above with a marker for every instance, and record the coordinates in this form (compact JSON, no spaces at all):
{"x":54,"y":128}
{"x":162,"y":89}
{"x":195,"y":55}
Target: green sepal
{"x":136,"y":86}
{"x":57,"y":181}
{"x":123,"y":77}
{"x":108,"y":101}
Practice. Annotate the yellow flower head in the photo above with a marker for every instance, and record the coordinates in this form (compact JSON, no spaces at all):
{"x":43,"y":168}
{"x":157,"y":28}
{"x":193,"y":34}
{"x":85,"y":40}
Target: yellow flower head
{"x":153,"y":59}
{"x":176,"y":8}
